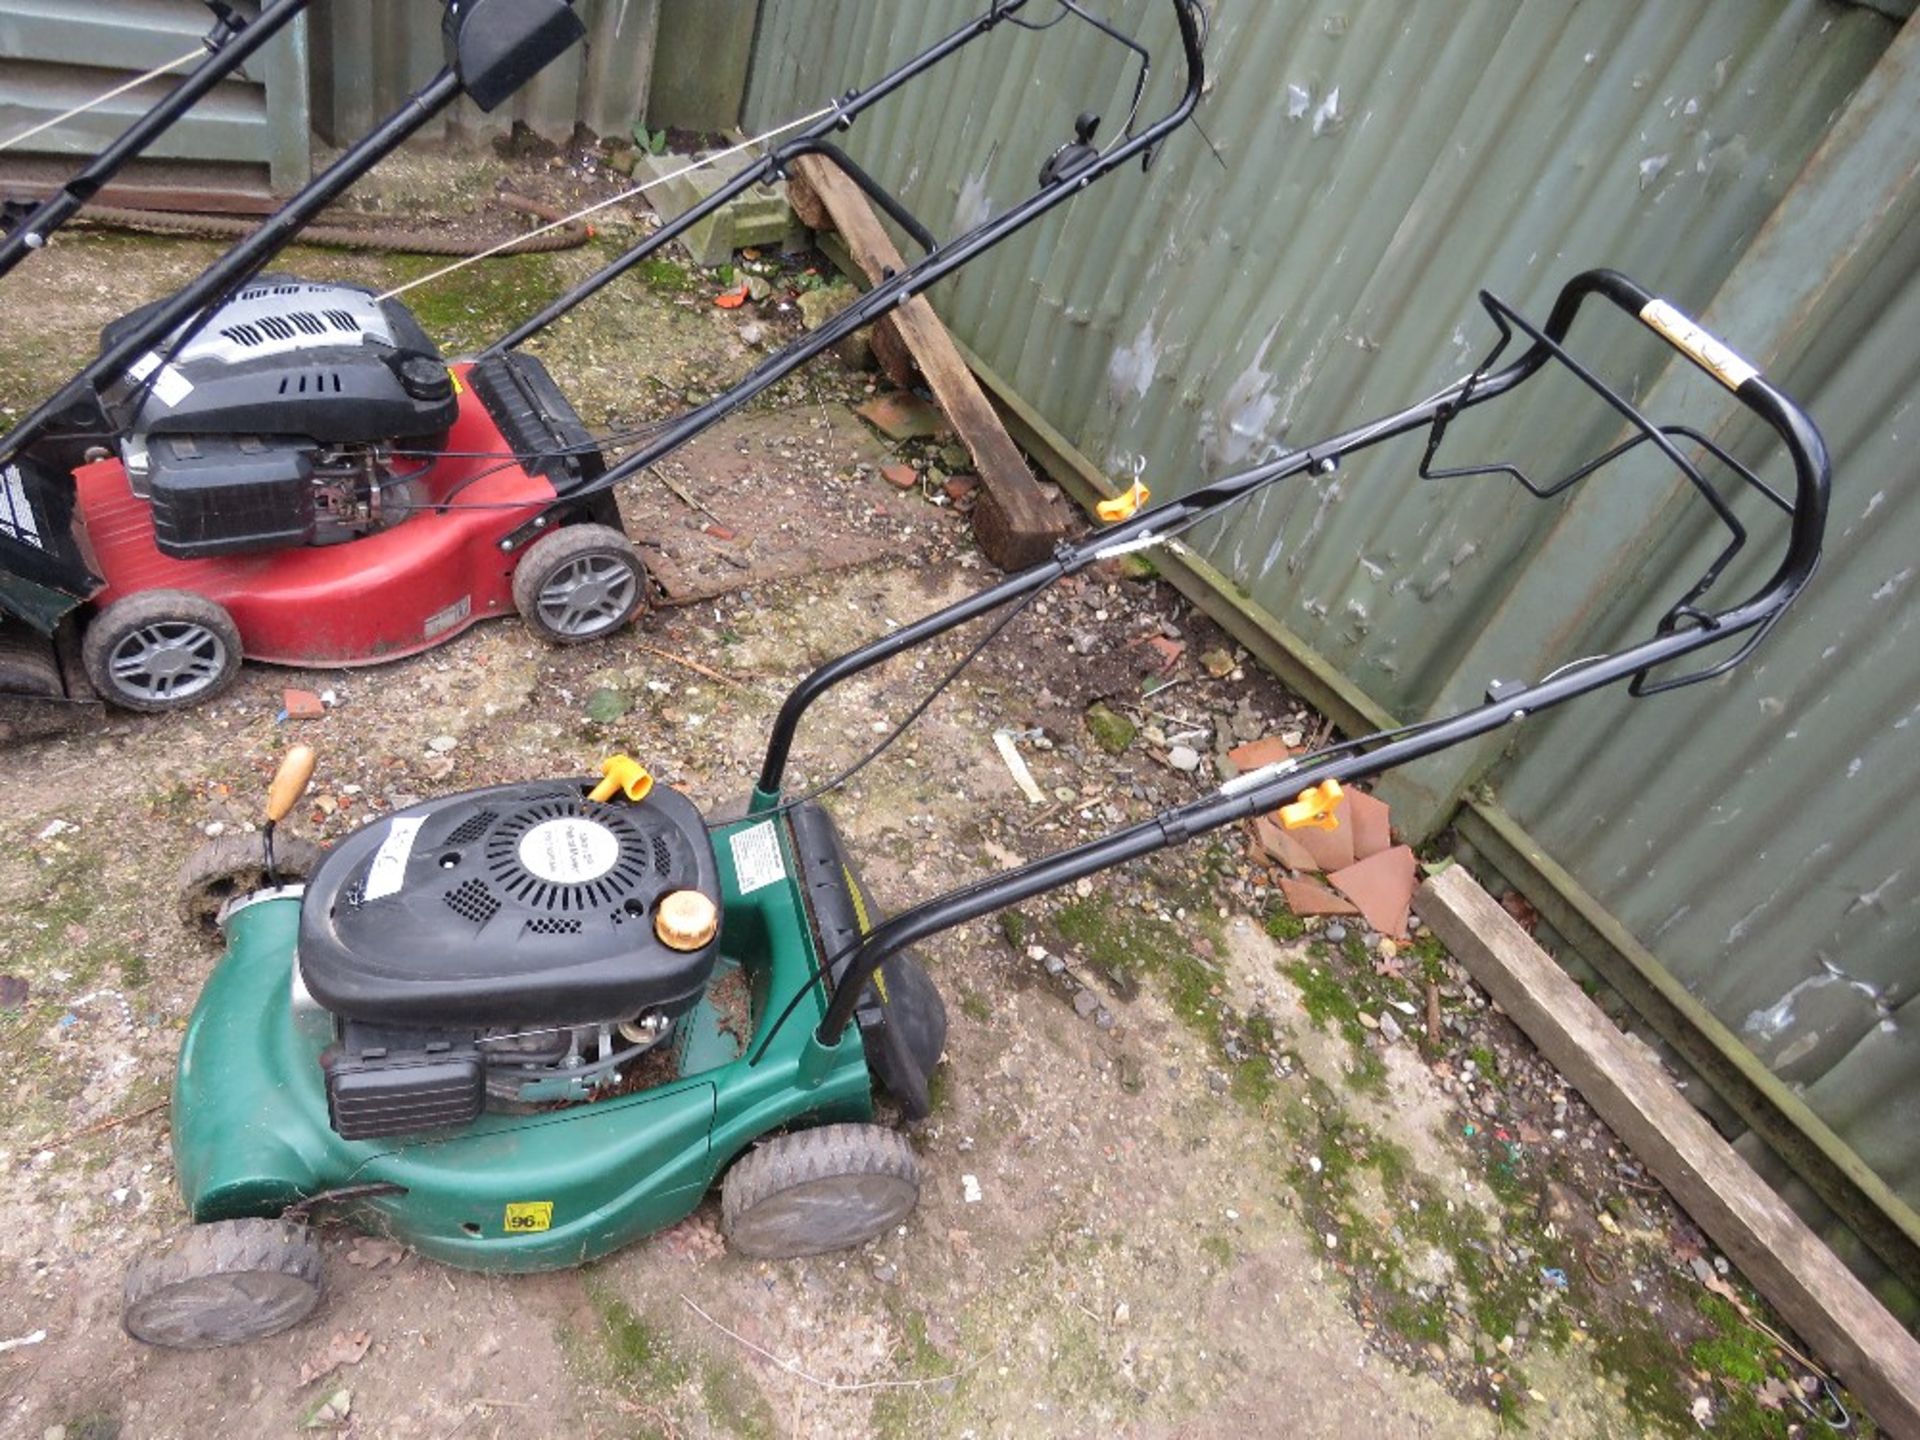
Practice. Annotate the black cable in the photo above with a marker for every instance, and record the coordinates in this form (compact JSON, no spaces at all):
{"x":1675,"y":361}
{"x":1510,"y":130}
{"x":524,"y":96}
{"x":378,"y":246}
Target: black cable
{"x":918,"y":710}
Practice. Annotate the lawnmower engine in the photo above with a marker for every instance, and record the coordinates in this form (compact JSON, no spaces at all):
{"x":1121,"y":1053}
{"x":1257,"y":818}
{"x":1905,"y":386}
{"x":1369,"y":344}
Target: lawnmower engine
{"x":276,"y":424}
{"x":511,"y":947}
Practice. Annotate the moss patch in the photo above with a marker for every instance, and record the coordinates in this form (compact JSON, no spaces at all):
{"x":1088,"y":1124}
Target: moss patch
{"x":1111,"y":731}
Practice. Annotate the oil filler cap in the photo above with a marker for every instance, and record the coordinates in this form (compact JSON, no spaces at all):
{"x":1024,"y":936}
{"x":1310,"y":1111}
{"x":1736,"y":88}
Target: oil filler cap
{"x":686,"y":920}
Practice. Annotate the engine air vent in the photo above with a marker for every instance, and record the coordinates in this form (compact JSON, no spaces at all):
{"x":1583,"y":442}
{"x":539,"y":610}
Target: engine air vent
{"x":344,"y":322}
{"x":244,"y":335}
{"x":472,"y":828}
{"x":552,"y":925}
{"x":472,"y":900}
{"x":662,"y":856}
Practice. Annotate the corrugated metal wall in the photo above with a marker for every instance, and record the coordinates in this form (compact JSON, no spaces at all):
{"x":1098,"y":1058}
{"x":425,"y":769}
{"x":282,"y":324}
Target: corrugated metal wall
{"x":368,"y":55}
{"x":55,"y":54}
{"x":1382,"y":163}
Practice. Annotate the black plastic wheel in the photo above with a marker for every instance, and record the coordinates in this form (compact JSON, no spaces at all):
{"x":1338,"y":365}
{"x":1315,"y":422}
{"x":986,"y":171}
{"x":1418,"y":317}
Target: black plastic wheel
{"x":579,"y":583}
{"x":224,"y":1284}
{"x":818,"y":1190}
{"x":161,"y":650}
{"x":232,"y":865}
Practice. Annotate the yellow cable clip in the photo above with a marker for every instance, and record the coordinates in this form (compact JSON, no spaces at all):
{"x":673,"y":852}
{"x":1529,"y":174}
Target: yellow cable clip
{"x":1122,"y":507}
{"x":625,"y":775}
{"x":1315,"y":807}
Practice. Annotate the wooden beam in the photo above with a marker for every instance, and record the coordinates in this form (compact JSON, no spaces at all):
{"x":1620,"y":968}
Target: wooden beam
{"x":1013,"y":520}
{"x":1802,"y":1279}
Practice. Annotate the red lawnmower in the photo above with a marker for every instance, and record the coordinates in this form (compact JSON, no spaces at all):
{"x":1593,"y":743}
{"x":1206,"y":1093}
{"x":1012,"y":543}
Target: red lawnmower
{"x":290,"y":471}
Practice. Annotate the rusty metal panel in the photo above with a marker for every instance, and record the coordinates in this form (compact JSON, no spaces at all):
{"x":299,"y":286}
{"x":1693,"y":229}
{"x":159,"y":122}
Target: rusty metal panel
{"x":369,"y":55}
{"x":55,"y":55}
{"x":1382,"y":162}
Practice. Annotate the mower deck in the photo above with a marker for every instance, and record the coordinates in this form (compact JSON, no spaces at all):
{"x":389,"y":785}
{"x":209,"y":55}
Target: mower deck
{"x":435,"y":573}
{"x":525,"y":1192}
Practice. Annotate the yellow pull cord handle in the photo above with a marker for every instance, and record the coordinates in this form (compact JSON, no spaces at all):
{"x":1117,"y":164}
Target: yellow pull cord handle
{"x":1315,"y":807}
{"x":624,"y":776}
{"x":1122,"y":507}
{"x":290,"y":782}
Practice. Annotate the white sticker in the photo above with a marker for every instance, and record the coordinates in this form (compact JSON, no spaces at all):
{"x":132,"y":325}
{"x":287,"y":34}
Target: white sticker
{"x":569,"y":851}
{"x":389,"y":866}
{"x":170,"y":387}
{"x":442,"y":621}
{"x":756,"y":858}
{"x":1713,"y":355}
{"x":16,"y":512}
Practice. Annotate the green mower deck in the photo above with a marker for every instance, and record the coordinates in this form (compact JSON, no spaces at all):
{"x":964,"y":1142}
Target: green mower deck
{"x":511,"y":1193}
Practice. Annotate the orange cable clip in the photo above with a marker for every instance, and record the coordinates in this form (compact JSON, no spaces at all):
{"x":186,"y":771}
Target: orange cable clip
{"x":1122,"y":507}
{"x":624,"y":775}
{"x":1315,"y":807}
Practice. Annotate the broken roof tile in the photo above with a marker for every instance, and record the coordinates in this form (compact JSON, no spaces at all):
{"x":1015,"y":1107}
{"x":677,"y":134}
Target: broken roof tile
{"x":1304,"y":897}
{"x":1382,"y":886}
{"x":1280,"y":846}
{"x":1372,"y":824}
{"x":1256,"y":753}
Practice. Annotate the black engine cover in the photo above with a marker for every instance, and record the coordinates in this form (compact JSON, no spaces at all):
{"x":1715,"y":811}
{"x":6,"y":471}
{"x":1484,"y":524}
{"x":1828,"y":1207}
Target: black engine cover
{"x":291,"y":357}
{"x":521,"y":906}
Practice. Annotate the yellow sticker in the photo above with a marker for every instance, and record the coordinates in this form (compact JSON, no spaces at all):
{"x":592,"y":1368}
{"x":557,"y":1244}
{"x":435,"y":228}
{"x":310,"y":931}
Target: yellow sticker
{"x":529,"y":1216}
{"x":458,"y":388}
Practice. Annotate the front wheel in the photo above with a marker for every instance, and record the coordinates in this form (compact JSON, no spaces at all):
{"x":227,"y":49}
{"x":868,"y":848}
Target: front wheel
{"x":812,"y":1191}
{"x":230,"y":866}
{"x":579,"y":583}
{"x":224,"y":1284}
{"x":161,"y":650}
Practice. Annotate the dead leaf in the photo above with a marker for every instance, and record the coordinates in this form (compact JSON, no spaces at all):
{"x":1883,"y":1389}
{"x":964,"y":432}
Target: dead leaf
{"x":1774,"y":1394}
{"x":696,"y":1238}
{"x":330,"y":1413}
{"x":345,"y":1348}
{"x":370,"y":1253}
{"x":1521,"y":909}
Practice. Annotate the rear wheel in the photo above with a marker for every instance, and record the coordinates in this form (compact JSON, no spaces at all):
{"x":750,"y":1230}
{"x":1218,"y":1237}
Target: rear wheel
{"x":233,"y":865}
{"x":224,"y":1284}
{"x":818,"y":1190}
{"x":579,"y":583}
{"x":161,"y":650}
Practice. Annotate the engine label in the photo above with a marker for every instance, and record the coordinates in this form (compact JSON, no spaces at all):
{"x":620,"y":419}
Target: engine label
{"x":570,"y":851}
{"x":528,"y":1216}
{"x":389,"y":868}
{"x":756,"y":858}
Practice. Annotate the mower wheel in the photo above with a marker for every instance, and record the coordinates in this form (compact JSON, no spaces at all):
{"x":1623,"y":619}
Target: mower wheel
{"x":161,"y":650}
{"x":579,"y":583}
{"x":233,"y":865}
{"x":812,"y":1191}
{"x":224,"y":1284}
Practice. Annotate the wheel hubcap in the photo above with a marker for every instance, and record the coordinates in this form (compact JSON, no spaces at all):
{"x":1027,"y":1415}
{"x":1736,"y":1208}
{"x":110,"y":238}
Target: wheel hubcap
{"x":168,"y":660}
{"x":588,"y":595}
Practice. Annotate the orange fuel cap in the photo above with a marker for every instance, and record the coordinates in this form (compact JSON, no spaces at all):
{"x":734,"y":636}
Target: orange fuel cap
{"x":1315,"y":807}
{"x":686,"y":920}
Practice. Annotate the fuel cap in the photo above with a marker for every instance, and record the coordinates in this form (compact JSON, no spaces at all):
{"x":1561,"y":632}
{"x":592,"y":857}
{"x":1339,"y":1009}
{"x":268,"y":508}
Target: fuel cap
{"x":686,"y":920}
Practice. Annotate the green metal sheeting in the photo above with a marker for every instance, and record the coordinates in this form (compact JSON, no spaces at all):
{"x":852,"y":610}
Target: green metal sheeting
{"x":55,"y":54}
{"x":1754,"y":160}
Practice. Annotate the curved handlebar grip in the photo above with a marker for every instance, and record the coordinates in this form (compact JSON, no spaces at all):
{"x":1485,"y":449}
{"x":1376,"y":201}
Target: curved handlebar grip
{"x":290,"y":782}
{"x":1813,"y":469}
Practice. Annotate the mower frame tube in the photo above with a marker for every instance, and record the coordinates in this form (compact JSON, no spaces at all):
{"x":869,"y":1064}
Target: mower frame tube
{"x":1262,"y":790}
{"x":233,"y":40}
{"x":940,"y":261}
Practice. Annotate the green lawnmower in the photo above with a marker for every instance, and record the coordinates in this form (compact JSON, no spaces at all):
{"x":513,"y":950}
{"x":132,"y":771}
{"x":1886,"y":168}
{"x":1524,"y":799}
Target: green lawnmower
{"x":517,"y":1028}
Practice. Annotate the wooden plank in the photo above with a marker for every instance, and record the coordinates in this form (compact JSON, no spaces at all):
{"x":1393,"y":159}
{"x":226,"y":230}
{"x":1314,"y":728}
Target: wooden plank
{"x":1013,"y":520}
{"x":1802,"y":1279}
